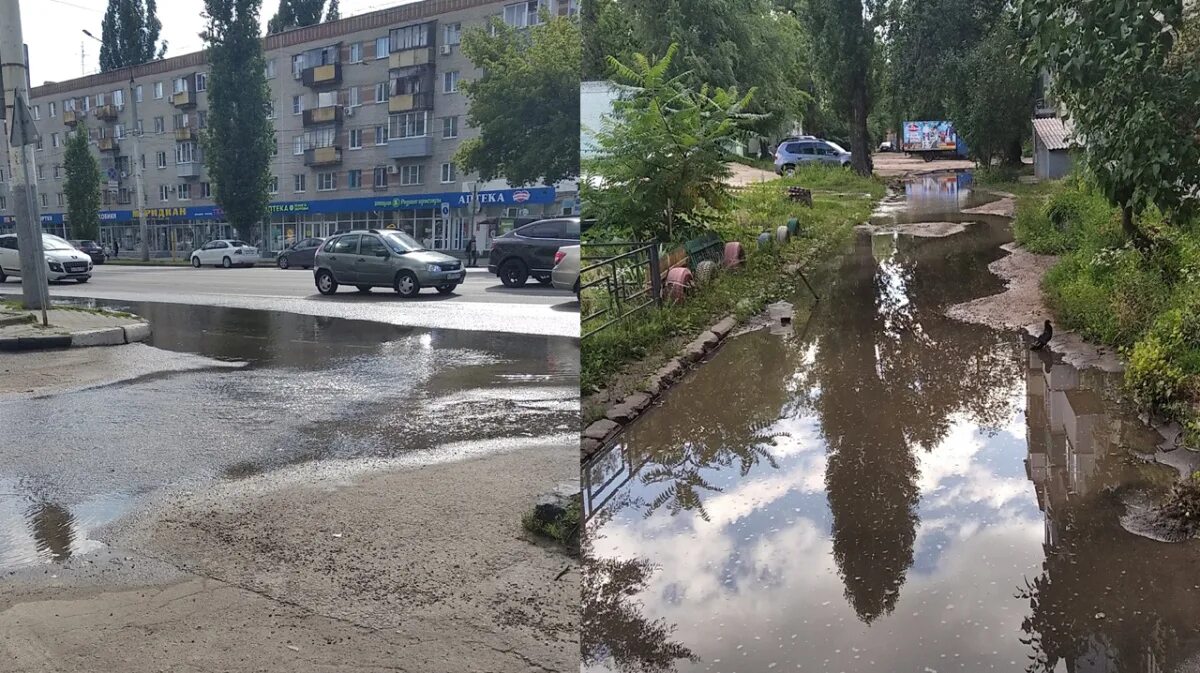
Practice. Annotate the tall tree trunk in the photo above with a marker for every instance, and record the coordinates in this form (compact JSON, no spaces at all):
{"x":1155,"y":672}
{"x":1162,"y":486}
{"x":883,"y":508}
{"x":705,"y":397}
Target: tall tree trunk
{"x":860,"y":158}
{"x":1013,"y":155}
{"x":1131,"y":229}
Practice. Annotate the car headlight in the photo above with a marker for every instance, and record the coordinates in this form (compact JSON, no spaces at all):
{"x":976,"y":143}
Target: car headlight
{"x":434,"y":268}
{"x":55,"y":266}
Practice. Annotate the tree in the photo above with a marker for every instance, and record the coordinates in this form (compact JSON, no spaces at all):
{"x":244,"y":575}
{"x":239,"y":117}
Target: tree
{"x":298,"y":14}
{"x":607,"y":31}
{"x":240,"y":140}
{"x":334,"y":13}
{"x":526,"y":103}
{"x":842,"y":55}
{"x":82,"y":186}
{"x":661,"y":165}
{"x":1126,"y":74}
{"x":129,"y":34}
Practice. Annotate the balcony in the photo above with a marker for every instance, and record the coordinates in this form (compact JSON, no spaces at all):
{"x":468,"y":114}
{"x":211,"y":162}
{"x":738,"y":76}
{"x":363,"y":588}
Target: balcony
{"x":187,"y":133}
{"x":189,"y":170}
{"x":184,"y":99}
{"x":330,"y":114}
{"x":411,"y":57}
{"x":410,"y":148}
{"x":107,"y":112}
{"x":106,"y":144}
{"x":322,"y":75}
{"x":323,"y":156}
{"x":407,"y":102}
{"x":73,"y":117}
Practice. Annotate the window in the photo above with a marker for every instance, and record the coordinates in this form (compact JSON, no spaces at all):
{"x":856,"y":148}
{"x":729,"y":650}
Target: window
{"x":381,"y":92}
{"x":40,"y":175}
{"x":354,"y":179}
{"x":164,"y":193}
{"x":119,"y":131}
{"x":45,"y":201}
{"x":138,"y":94}
{"x":273,"y":185}
{"x":371,"y":246}
{"x":37,"y":111}
{"x":201,"y":81}
{"x":297,"y":104}
{"x":381,"y":47}
{"x":356,"y":52}
{"x":410,"y":37}
{"x":87,"y":103}
{"x":449,"y":174}
{"x":300,"y":180}
{"x":381,"y":177}
{"x":162,"y":159}
{"x":356,"y":139}
{"x":118,"y":97}
{"x":53,"y":109}
{"x":381,"y":135}
{"x":407,"y":125}
{"x":158,"y":89}
{"x":450,"y":81}
{"x":524,"y":14}
{"x":412,"y":174}
{"x":185,"y":153}
{"x":140,"y":127}
{"x":60,"y":198}
{"x":323,"y":137}
{"x":69,"y":105}
{"x":160,"y":125}
{"x":449,"y":127}
{"x":54,"y":140}
{"x":202,"y":119}
{"x":269,"y":69}
{"x":39,"y":143}
{"x":326,"y":182}
{"x":185,"y":192}
{"x":327,"y":98}
{"x":181,"y":121}
{"x":3,"y":203}
{"x":352,"y":97}
{"x":452,"y":33}
{"x":347,"y":245}
{"x":179,"y":84}
{"x":298,"y":145}
{"x":297,"y":66}
{"x":57,"y":171}
{"x":205,"y":190}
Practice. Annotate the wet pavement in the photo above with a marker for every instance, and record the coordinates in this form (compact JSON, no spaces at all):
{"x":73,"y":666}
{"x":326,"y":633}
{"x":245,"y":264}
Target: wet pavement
{"x":307,"y":389}
{"x":886,"y":489}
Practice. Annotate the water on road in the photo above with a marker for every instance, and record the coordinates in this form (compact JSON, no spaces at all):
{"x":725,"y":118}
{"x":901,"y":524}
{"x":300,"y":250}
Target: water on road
{"x":885,"y":489}
{"x":311,"y":389}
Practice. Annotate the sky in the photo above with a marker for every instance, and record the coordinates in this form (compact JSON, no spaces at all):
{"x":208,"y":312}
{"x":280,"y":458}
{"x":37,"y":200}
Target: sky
{"x":53,"y":29}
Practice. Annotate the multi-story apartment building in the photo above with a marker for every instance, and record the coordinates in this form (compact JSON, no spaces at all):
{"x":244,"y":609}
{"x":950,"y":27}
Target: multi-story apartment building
{"x":368,"y":112}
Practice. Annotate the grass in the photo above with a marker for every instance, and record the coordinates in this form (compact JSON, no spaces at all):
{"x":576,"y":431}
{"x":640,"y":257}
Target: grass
{"x":564,"y":530}
{"x":1145,"y":303}
{"x":841,"y":200}
{"x":14,"y":305}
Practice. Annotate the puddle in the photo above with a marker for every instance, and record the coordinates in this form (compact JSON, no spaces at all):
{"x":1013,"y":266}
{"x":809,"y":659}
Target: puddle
{"x":315,"y":389}
{"x":885,"y":490}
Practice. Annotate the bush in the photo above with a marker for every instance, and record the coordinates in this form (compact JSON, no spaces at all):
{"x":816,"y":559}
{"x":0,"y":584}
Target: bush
{"x":1164,"y":368}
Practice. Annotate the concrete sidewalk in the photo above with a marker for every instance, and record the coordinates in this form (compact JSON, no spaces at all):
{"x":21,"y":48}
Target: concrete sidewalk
{"x":22,"y":330}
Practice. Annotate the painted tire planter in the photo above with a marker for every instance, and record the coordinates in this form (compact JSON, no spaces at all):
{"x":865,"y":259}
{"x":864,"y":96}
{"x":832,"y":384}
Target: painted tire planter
{"x":782,"y":234}
{"x":764,"y":240}
{"x":793,"y":226}
{"x":679,"y":280}
{"x":705,"y":271}
{"x":734,"y":255}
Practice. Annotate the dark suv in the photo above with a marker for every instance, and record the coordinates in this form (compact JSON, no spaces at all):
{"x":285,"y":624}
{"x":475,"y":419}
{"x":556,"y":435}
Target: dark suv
{"x":529,"y":250}
{"x":91,"y":249}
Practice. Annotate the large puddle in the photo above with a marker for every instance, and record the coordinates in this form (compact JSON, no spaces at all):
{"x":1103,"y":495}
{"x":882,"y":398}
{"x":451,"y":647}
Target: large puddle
{"x":885,"y":490}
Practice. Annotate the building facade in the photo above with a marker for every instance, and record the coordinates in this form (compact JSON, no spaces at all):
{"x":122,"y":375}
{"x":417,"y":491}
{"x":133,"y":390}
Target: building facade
{"x":368,"y":112}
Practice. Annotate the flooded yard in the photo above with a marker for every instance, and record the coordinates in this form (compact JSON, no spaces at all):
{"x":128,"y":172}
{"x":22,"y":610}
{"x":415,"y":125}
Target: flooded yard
{"x":886,"y":489}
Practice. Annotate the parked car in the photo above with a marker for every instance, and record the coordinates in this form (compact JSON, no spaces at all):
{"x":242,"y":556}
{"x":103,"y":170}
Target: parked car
{"x":529,"y":250}
{"x":300,"y":253}
{"x":92,"y":249}
{"x":886,"y":146}
{"x":63,"y":261}
{"x":225,"y":252}
{"x":383,"y":258}
{"x":566,"y":269}
{"x":791,"y":155}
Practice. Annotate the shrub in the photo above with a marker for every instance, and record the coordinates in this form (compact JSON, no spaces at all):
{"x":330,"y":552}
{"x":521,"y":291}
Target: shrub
{"x":1164,"y":367}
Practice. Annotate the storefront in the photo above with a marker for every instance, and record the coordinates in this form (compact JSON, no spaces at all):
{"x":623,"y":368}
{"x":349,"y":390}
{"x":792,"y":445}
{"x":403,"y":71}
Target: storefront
{"x":441,"y":221}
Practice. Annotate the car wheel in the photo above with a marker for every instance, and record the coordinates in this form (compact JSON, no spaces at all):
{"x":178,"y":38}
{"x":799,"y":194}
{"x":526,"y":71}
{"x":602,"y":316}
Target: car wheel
{"x":81,"y":281}
{"x":406,"y":285}
{"x":446,"y":289}
{"x":789,"y":170}
{"x":513,"y":273}
{"x":363,"y":288}
{"x":326,"y":283}
{"x":227,"y":263}
{"x":282,"y":262}
{"x":196,"y":262}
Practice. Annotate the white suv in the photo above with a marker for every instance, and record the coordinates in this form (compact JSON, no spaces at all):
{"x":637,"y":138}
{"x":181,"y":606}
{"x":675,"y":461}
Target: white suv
{"x":63,"y":261}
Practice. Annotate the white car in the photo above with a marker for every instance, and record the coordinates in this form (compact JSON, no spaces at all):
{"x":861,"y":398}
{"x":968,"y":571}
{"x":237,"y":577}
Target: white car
{"x":63,"y":260}
{"x":225,"y":252}
{"x":566,"y":269}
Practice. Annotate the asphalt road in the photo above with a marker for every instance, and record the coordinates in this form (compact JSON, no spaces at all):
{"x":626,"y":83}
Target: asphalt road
{"x":481,"y":303}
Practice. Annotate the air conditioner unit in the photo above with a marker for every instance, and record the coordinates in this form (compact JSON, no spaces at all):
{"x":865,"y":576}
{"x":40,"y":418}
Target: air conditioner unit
{"x":393,"y":170}
{"x":446,"y":50}
{"x":349,"y":112}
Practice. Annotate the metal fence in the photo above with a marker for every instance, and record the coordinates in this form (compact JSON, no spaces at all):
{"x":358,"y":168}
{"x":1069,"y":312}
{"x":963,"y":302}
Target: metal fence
{"x":617,"y":281}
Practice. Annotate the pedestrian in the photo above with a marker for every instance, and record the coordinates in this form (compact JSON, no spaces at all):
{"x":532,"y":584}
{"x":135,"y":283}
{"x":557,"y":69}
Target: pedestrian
{"x":472,"y":252}
{"x":116,"y":247}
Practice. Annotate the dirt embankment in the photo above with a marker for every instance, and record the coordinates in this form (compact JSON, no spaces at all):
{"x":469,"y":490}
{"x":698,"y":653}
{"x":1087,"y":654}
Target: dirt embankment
{"x":421,"y":569}
{"x":898,"y":165}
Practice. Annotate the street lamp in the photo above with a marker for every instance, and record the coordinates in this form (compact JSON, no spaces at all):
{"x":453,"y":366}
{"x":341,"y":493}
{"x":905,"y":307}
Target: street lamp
{"x":136,"y":160}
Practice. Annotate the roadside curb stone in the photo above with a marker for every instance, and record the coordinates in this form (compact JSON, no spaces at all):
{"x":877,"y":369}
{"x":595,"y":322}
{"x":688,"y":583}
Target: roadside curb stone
{"x":111,"y":336}
{"x":138,"y":332}
{"x":725,"y":327}
{"x":601,"y":430}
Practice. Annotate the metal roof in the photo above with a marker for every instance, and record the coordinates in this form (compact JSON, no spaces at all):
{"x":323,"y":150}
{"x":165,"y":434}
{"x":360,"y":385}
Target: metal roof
{"x":1054,"y":133}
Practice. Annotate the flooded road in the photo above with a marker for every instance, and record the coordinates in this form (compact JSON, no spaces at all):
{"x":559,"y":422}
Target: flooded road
{"x":885,"y":490}
{"x":307,"y":389}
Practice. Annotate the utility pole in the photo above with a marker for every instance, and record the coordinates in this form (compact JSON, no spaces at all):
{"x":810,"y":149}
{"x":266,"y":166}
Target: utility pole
{"x":14,"y":73}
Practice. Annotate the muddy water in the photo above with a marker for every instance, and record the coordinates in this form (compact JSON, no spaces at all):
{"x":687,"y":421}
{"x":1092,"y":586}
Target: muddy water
{"x":885,"y":490}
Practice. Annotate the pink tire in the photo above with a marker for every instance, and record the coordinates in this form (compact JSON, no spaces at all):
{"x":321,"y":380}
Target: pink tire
{"x":679,"y":280}
{"x":734,"y":255}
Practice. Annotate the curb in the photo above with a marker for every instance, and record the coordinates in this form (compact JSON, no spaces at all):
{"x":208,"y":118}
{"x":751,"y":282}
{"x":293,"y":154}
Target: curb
{"x":597,"y":435}
{"x":108,"y":336}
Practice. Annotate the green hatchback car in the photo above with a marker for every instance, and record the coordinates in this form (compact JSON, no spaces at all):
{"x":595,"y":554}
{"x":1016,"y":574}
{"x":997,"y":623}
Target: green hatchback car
{"x":383,"y":258}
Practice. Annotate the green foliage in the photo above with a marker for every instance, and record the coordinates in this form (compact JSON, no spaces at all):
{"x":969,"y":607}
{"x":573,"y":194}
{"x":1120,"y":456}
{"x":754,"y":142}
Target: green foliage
{"x":660,"y":169}
{"x":129,"y":34}
{"x":1164,"y":367}
{"x":239,"y":141}
{"x":607,"y":31}
{"x":526,"y":103}
{"x":1063,"y":220}
{"x":564,"y":530}
{"x":842,"y":53}
{"x":300,"y":13}
{"x":82,"y":186}
{"x":1125,"y":71}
